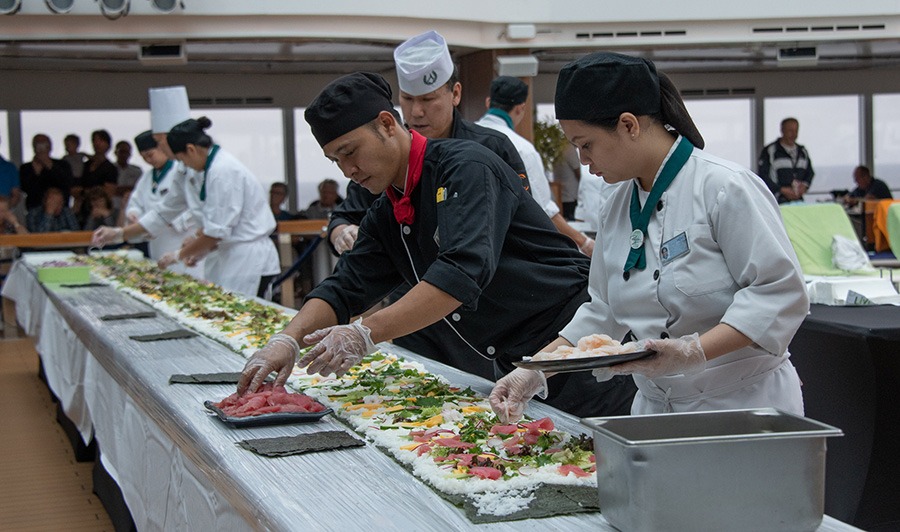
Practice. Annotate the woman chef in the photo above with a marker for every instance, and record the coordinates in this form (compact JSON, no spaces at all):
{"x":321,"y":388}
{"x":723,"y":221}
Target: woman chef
{"x":234,"y":215}
{"x":148,"y":195}
{"x":691,"y":254}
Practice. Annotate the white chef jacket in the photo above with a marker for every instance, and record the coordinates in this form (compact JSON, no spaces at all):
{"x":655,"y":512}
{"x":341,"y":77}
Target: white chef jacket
{"x":167,"y":237}
{"x":740,"y":270}
{"x":534,"y":167}
{"x":237,"y":212}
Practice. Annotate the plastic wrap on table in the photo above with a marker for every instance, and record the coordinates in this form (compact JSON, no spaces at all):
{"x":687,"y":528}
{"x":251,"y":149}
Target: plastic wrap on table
{"x":335,"y":491}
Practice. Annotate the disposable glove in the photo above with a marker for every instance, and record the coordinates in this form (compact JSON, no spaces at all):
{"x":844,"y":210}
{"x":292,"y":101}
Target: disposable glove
{"x":674,"y":356}
{"x":512,"y":393}
{"x":346,"y":239}
{"x":337,"y":348}
{"x":107,"y":235}
{"x":587,"y":247}
{"x":279,"y":354}
{"x":167,"y":260}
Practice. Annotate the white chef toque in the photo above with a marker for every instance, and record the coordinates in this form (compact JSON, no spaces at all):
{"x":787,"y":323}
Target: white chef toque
{"x":168,"y":106}
{"x":423,"y":63}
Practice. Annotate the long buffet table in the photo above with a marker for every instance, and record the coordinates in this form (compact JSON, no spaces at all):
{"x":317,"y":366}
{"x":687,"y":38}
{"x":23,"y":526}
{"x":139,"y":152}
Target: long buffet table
{"x":180,"y":469}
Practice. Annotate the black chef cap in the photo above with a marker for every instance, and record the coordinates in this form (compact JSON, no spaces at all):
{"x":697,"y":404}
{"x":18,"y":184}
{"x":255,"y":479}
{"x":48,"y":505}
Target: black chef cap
{"x":145,"y":141}
{"x":604,"y":85}
{"x":188,"y":132}
{"x":507,"y":90}
{"x":347,"y":103}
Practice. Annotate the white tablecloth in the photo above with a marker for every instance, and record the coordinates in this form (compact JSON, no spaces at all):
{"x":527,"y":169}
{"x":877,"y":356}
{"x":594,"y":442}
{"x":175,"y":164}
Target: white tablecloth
{"x":178,"y":468}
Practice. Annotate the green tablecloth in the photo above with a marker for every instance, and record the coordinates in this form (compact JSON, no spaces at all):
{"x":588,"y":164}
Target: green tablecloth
{"x":811,"y":229}
{"x":893,"y":227}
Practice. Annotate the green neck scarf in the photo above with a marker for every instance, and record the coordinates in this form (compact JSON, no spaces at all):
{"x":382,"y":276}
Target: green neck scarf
{"x":640,"y":218}
{"x":209,"y":160}
{"x":158,"y":175}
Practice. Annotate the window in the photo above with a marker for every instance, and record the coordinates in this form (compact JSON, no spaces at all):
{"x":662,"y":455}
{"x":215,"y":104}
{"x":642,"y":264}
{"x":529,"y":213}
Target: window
{"x":312,"y":165}
{"x":886,"y":111}
{"x":4,"y":135}
{"x":829,"y":129}
{"x":121,"y":124}
{"x":253,"y":136}
{"x":725,"y":126}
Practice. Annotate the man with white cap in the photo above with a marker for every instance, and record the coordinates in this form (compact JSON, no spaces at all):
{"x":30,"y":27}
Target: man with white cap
{"x":429,"y":93}
{"x":168,"y":106}
{"x":506,"y":109}
{"x":455,"y":224}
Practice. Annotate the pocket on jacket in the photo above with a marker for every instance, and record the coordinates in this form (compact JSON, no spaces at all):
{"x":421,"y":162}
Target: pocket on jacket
{"x":702,"y":270}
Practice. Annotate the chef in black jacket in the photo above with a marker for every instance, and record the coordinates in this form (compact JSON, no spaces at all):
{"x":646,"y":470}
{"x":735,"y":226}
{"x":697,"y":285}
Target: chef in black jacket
{"x":429,"y":93}
{"x":456,"y":225}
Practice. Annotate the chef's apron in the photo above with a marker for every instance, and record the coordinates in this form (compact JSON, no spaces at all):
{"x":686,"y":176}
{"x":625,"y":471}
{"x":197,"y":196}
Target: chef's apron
{"x":238,"y":266}
{"x":760,"y":380}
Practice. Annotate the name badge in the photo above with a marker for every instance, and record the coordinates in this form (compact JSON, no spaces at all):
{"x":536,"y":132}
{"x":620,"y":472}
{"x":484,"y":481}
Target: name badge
{"x":674,"y":248}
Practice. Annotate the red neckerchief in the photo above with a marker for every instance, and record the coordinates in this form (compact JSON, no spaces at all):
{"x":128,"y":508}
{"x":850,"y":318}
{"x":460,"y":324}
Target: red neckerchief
{"x":403,"y":209}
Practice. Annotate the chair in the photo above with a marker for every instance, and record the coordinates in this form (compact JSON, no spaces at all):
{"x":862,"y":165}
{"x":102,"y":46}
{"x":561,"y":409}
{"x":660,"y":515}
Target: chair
{"x":811,"y":229}
{"x":893,"y":227}
{"x":880,"y":227}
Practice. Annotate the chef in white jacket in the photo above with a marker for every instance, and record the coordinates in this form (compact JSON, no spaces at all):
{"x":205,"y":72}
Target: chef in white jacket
{"x":691,"y":258}
{"x":149,"y":194}
{"x":506,"y":109}
{"x":233,"y":213}
{"x":175,"y":208}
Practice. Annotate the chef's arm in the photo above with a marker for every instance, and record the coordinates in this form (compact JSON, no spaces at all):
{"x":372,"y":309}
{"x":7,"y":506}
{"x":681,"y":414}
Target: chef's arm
{"x":420,"y":307}
{"x":721,"y":340}
{"x":577,"y":236}
{"x":198,"y":247}
{"x":315,"y":314}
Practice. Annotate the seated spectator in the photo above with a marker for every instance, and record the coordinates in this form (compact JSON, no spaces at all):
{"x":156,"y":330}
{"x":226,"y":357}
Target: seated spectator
{"x":867,"y":187}
{"x":52,"y":215}
{"x":277,"y":195}
{"x":102,"y":211}
{"x":328,"y":200}
{"x":9,"y":224}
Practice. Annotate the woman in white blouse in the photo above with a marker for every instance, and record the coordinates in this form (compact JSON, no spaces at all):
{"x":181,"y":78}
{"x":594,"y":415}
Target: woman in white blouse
{"x":691,"y":258}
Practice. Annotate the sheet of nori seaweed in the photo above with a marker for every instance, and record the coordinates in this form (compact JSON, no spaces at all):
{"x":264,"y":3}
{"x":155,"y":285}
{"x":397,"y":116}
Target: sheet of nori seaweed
{"x":301,"y":443}
{"x":128,"y":316}
{"x":169,"y":335}
{"x":207,"y":378}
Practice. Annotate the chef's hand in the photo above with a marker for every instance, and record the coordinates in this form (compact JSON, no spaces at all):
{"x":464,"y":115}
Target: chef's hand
{"x":674,"y":356}
{"x":345,"y":238}
{"x":107,"y":235}
{"x":587,"y":247}
{"x":338,"y":348}
{"x":512,"y":393}
{"x":167,"y":260}
{"x":279,"y":354}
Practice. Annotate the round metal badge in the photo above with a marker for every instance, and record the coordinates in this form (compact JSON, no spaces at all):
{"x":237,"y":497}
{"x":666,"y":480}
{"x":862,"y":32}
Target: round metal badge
{"x":637,"y":239}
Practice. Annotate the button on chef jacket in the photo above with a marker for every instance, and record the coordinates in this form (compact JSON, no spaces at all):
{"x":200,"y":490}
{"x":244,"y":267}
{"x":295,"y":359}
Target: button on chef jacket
{"x":740,"y":270}
{"x":167,"y":237}
{"x":358,"y":200}
{"x":478,"y":236}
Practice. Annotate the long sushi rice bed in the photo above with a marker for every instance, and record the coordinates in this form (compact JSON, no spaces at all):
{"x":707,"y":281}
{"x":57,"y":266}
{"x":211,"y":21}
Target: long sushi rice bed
{"x":447,"y":436}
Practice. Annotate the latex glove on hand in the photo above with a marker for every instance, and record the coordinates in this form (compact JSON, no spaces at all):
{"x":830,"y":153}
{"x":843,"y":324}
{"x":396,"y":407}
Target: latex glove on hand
{"x":674,"y":356}
{"x":279,"y":354}
{"x":346,"y":239}
{"x":587,"y":247}
{"x":167,"y":260}
{"x":338,"y":348}
{"x":512,"y":393}
{"x":107,"y":235}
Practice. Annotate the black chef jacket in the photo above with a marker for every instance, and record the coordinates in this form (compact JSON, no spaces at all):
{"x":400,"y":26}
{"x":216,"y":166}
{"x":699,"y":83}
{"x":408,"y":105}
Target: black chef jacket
{"x":479,"y":236}
{"x":358,"y":200}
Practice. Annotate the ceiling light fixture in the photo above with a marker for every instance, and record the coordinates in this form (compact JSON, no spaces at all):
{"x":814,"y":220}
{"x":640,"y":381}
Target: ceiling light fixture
{"x":60,"y":6}
{"x":166,"y":6}
{"x":113,"y":9}
{"x":10,"y":7}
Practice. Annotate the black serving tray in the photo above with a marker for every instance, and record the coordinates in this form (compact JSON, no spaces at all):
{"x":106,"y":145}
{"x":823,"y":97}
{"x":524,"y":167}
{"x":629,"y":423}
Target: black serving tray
{"x":582,"y":364}
{"x":261,"y":420}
